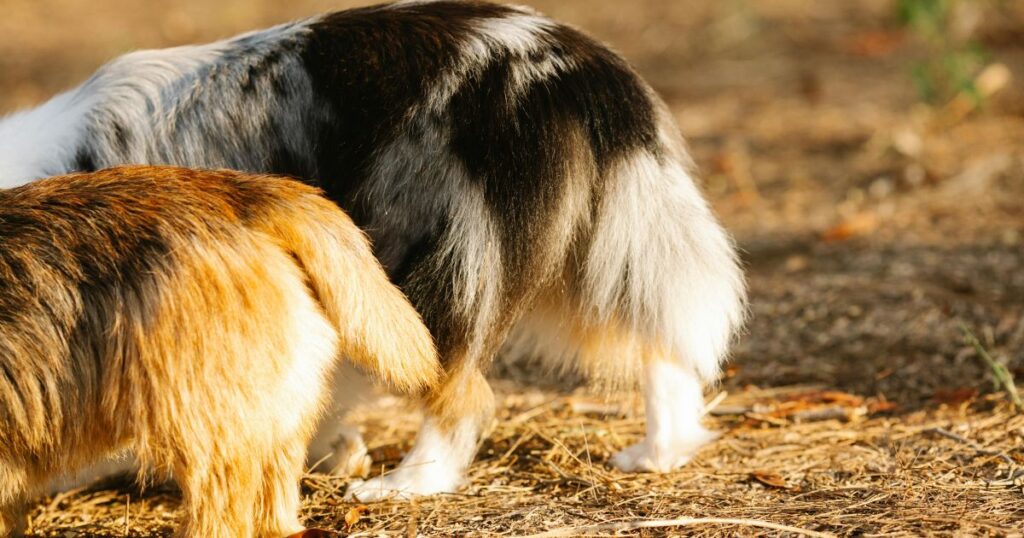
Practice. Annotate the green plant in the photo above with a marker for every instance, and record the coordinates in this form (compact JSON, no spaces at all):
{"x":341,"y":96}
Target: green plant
{"x":928,"y":17}
{"x":1001,"y":376}
{"x":953,"y":60}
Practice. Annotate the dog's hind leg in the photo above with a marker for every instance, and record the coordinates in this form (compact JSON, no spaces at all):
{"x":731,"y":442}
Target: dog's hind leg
{"x":278,"y":505}
{"x":13,"y":499}
{"x":661,"y":267}
{"x":674,"y":404}
{"x":446,"y":444}
{"x":456,"y":279}
{"x":13,"y":517}
{"x":219,"y":491}
{"x":613,"y":355}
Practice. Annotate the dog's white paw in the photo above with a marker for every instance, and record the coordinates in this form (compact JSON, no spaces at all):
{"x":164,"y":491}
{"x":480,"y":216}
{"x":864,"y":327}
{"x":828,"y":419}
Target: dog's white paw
{"x":650,"y":457}
{"x":405,"y":483}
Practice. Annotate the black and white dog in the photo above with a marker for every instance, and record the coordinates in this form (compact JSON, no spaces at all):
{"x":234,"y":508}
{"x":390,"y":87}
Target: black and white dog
{"x":521,"y":184}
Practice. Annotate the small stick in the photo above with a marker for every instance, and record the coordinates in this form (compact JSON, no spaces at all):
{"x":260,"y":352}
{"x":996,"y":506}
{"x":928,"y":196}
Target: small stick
{"x":522,"y":439}
{"x":681,"y":522}
{"x":977,"y":448}
{"x":566,"y":477}
{"x":590,"y":463}
{"x":710,"y":407}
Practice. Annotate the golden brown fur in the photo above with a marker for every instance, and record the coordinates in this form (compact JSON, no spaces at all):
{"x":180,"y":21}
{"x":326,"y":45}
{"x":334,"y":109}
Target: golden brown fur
{"x":193,"y":317}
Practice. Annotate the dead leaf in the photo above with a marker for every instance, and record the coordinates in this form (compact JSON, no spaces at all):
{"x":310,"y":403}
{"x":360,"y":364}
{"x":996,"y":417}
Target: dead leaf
{"x":881,"y":406}
{"x":729,"y":410}
{"x":770,"y":479}
{"x":387,"y":454}
{"x":861,"y":224}
{"x":827,"y":396}
{"x":816,"y":406}
{"x":354,"y":515}
{"x":955,"y":396}
{"x":838,"y":397}
{"x":874,"y":43}
{"x":990,"y":81}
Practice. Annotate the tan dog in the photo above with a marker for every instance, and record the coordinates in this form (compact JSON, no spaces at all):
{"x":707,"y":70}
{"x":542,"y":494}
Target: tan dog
{"x":192,"y":317}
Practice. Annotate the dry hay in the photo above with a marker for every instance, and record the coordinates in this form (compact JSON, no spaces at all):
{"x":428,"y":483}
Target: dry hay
{"x":825,"y":462}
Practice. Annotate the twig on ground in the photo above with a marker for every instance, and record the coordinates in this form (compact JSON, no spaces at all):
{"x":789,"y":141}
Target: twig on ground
{"x":590,"y":462}
{"x":681,"y":522}
{"x":977,"y":448}
{"x":710,"y":407}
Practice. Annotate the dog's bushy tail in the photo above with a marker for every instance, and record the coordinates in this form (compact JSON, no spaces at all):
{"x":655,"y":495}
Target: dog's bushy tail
{"x":660,"y":262}
{"x":378,"y":328}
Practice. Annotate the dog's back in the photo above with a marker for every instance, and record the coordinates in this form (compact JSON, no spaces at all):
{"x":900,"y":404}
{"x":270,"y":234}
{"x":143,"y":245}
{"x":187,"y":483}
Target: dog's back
{"x":193,"y":317}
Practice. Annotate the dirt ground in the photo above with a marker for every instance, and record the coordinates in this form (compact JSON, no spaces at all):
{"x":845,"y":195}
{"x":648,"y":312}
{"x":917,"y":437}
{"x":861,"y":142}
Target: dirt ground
{"x":873,"y":227}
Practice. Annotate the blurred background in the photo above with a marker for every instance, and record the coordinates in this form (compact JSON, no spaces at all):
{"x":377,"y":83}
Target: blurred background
{"x":867,"y":154}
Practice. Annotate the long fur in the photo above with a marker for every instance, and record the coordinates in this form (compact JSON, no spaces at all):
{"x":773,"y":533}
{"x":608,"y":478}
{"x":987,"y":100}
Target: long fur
{"x":194,"y":318}
{"x":517,"y":178}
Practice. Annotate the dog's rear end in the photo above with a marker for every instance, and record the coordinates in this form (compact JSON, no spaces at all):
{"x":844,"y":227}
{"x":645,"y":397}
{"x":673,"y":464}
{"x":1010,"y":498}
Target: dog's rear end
{"x":191,"y":316}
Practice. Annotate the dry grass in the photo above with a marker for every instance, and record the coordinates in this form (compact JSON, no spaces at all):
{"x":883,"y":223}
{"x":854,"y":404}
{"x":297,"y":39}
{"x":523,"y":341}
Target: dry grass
{"x":957,"y":469}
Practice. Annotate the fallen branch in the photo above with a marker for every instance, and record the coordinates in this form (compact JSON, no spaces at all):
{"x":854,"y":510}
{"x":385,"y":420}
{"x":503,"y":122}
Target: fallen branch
{"x":682,"y":522}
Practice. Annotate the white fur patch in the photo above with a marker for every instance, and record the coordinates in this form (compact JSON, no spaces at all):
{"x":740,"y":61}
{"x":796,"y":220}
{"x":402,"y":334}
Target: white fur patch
{"x":517,"y":33}
{"x":683,"y":287}
{"x":314,"y":349}
{"x":660,"y":267}
{"x":38,"y":143}
{"x":509,"y":39}
{"x":674,"y":401}
{"x":161,"y":99}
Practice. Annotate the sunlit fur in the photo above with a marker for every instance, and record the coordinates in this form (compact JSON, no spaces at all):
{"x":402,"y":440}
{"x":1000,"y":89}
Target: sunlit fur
{"x":193,"y":317}
{"x":520,"y":182}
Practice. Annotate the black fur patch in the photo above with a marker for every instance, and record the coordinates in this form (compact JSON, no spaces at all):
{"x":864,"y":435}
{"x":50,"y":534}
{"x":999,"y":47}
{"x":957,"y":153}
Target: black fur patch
{"x":85,"y":161}
{"x":109,"y":265}
{"x":425,"y":284}
{"x":372,"y":66}
{"x":284,"y":161}
{"x":122,"y":138}
{"x":604,"y":93}
{"x":519,"y":149}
